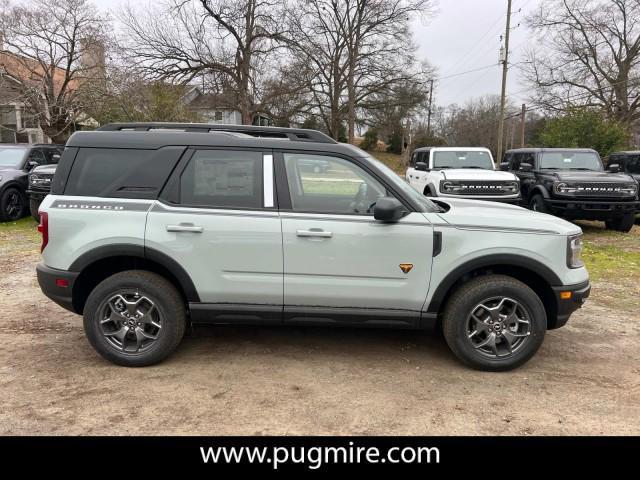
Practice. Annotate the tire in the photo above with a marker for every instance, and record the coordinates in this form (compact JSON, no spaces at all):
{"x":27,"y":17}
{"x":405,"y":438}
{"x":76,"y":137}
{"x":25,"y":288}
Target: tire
{"x":621,"y":224}
{"x":33,"y":209}
{"x":537,"y":204}
{"x":117,"y":340}
{"x":12,"y":205}
{"x":491,"y":290}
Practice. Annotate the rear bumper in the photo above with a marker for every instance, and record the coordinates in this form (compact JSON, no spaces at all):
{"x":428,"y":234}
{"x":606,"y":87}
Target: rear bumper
{"x":52,"y":283}
{"x":591,"y":209}
{"x":566,"y":306}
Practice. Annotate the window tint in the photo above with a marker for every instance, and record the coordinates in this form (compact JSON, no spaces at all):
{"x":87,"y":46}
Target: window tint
{"x":632,"y":164}
{"x":220,"y":178}
{"x":515,"y":161}
{"x":529,"y":158}
{"x":36,"y":155}
{"x":121,"y":172}
{"x":325,"y":184}
{"x":413,"y":159}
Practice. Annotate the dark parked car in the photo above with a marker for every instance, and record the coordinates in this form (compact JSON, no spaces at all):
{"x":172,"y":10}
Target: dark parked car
{"x":629,"y":163}
{"x":572,"y":183}
{"x":39,"y":186}
{"x":16,"y":161}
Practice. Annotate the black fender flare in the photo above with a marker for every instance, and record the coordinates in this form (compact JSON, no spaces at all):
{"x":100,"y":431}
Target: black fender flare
{"x":139,"y":251}
{"x":494,"y":260}
{"x":538,"y":189}
{"x":430,"y":187}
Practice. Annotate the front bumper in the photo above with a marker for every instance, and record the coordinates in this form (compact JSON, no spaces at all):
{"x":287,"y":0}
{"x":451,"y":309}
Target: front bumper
{"x":57,"y":285}
{"x":37,"y":194}
{"x":566,"y":306}
{"x":591,"y":209}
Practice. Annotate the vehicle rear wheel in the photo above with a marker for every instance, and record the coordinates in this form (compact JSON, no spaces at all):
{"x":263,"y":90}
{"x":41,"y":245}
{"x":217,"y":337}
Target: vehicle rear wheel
{"x":494,"y":323}
{"x":33,"y":209}
{"x":537,"y":204}
{"x":134,"y":318}
{"x":621,"y":224}
{"x":12,"y":205}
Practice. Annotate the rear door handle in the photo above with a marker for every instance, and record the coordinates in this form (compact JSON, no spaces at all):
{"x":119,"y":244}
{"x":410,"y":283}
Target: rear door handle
{"x":314,"y":233}
{"x":185,"y":227}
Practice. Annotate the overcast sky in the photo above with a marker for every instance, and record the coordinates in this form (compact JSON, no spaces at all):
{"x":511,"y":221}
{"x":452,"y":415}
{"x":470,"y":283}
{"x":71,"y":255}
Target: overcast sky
{"x":463,"y":36}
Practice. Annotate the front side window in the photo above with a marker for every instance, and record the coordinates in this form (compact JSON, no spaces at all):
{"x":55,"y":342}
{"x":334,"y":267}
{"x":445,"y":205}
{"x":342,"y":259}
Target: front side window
{"x":632,"y":165}
{"x":462,"y":159}
{"x":221,"y":178}
{"x":322,"y":184}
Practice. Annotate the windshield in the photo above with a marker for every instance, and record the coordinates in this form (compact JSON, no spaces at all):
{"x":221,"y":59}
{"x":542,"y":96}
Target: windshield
{"x":11,"y":157}
{"x":426,"y":204}
{"x":570,"y":161}
{"x":462,"y":159}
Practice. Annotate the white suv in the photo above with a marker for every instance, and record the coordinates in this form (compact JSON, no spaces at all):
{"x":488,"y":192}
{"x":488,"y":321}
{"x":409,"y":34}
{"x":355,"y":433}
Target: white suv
{"x":150,"y":227}
{"x":467,"y":172}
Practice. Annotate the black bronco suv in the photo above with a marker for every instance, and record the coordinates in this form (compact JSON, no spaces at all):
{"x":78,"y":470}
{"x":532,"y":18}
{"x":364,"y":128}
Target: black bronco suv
{"x":16,"y":161}
{"x":627,"y":162}
{"x":572,"y":183}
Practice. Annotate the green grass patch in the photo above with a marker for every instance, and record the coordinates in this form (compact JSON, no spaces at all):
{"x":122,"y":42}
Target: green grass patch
{"x":19,"y":236}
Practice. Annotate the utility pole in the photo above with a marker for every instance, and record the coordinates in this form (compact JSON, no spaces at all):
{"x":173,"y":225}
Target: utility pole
{"x":505,"y":67}
{"x":429,"y":113}
{"x":522,"y":118}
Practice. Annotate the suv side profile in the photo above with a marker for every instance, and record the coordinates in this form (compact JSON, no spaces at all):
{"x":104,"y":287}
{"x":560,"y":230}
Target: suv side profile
{"x":16,"y":161}
{"x":572,"y":183}
{"x":629,"y":163}
{"x":461,"y":172}
{"x":151,"y":226}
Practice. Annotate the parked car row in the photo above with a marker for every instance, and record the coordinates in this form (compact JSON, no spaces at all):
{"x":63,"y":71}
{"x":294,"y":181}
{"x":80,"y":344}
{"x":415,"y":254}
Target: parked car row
{"x":16,"y":162}
{"x":569,"y":183}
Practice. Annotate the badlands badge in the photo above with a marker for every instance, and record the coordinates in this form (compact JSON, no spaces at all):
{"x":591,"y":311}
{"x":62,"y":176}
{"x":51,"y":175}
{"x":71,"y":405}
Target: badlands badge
{"x":406,"y":267}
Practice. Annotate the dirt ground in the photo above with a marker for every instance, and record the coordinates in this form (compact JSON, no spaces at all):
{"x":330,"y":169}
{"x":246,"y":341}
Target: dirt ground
{"x":584,"y":380}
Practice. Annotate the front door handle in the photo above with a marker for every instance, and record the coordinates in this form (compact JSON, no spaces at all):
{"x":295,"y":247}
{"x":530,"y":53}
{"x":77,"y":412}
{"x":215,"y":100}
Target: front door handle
{"x":185,"y":227}
{"x":314,"y":233}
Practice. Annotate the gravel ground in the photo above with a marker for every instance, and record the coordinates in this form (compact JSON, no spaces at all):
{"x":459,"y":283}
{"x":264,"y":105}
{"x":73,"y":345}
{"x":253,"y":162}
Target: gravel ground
{"x":222,"y":380}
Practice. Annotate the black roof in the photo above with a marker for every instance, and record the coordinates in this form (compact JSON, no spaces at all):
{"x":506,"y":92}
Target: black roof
{"x":626,"y":152}
{"x":545,"y":149}
{"x":161,"y":137}
{"x":293,"y":134}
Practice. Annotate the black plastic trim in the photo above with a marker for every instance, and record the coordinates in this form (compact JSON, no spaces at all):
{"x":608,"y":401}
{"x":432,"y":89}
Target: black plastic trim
{"x":47,"y":277}
{"x":580,"y":293}
{"x":490,"y":261}
{"x":437,"y":243}
{"x":311,"y":315}
{"x":140,"y":251}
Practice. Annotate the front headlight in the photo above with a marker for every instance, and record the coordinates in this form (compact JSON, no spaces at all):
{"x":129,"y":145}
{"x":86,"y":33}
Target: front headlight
{"x":564,"y":188}
{"x":450,"y":187}
{"x":511,"y":187}
{"x":629,"y":189}
{"x":574,"y":251}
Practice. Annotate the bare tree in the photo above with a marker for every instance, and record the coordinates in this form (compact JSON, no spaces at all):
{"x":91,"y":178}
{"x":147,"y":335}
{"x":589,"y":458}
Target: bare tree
{"x":224,"y":43}
{"x":45,"y":47}
{"x":589,"y":55}
{"x":354,"y":49}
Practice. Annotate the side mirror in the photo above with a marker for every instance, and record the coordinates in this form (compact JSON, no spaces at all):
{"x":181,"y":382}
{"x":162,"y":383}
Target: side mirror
{"x":31,"y":164}
{"x":388,"y":209}
{"x":423,"y":167}
{"x":526,"y":167}
{"x":55,"y":158}
{"x":614,"y":168}
{"x":504,"y":166}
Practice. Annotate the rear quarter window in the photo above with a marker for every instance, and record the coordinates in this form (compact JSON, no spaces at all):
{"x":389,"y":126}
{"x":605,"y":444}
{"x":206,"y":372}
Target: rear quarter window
{"x":121,"y":172}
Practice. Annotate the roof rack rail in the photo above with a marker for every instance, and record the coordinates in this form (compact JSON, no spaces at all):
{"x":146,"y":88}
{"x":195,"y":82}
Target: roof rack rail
{"x":293,"y":134}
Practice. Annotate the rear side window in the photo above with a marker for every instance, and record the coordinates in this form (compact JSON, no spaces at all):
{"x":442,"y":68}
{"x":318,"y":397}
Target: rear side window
{"x":223,"y":178}
{"x":121,"y":173}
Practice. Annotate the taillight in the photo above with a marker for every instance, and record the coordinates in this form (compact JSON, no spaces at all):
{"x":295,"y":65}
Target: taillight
{"x":43,"y":228}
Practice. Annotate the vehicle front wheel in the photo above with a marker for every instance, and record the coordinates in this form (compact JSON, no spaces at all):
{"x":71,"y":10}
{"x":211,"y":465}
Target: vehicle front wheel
{"x":34,"y":205}
{"x":134,"y":318}
{"x":621,"y":224}
{"x":494,"y":323}
{"x":537,"y":204}
{"x":12,"y":205}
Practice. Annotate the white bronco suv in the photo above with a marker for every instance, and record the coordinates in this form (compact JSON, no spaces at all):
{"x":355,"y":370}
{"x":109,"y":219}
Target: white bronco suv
{"x":150,"y":227}
{"x":461,"y":172}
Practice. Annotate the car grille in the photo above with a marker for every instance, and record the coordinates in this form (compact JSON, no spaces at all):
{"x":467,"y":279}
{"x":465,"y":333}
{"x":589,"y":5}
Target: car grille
{"x":483,"y":188}
{"x":602,"y":189}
